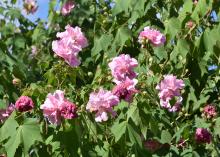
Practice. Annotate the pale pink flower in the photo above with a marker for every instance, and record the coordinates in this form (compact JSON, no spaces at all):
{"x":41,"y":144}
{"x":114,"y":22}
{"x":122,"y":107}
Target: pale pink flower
{"x":102,"y":102}
{"x":5,"y":113}
{"x":125,"y":90}
{"x":56,"y":106}
{"x":195,"y":2}
{"x":33,"y":50}
{"x":202,"y":135}
{"x":122,"y":67}
{"x":153,"y":36}
{"x":70,"y":44}
{"x":24,"y":103}
{"x":169,"y":89}
{"x":67,"y":7}
{"x":30,"y":6}
{"x":209,"y":111}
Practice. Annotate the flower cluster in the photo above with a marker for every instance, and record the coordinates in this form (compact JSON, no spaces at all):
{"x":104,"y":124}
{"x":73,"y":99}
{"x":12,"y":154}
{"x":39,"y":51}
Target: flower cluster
{"x":209,"y":111}
{"x":153,"y":36}
{"x":203,"y":136}
{"x":24,"y":103}
{"x":56,"y":106}
{"x":30,"y":6}
{"x":71,"y":42}
{"x":169,"y":92}
{"x":102,"y":103}
{"x":122,"y":69}
{"x":67,"y":7}
{"x":5,"y":113}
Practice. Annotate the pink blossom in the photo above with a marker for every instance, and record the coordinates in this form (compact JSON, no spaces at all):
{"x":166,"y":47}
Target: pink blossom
{"x":125,"y":90}
{"x":56,"y":106}
{"x":30,"y":6}
{"x":155,"y":37}
{"x":169,"y":90}
{"x":67,"y":7}
{"x":102,"y":102}
{"x":24,"y":103}
{"x":68,"y":110}
{"x":71,"y":42}
{"x":203,"y":136}
{"x":122,"y":67}
{"x":209,"y":111}
{"x":190,"y":24}
{"x":5,"y":113}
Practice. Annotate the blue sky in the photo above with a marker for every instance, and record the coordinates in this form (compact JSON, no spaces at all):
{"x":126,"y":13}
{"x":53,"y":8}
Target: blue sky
{"x":42,"y":11}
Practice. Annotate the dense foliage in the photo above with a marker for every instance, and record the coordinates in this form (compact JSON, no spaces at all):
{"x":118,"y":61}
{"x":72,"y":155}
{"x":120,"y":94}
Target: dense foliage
{"x":102,"y":113}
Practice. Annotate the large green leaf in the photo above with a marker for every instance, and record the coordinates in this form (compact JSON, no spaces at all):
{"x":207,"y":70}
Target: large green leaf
{"x":26,"y":134}
{"x":119,"y":129}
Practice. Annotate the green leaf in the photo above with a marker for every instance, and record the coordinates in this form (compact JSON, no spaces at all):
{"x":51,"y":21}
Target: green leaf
{"x":118,"y":129}
{"x":201,"y":123}
{"x":122,"y":5}
{"x":133,"y":113}
{"x":202,"y":8}
{"x":123,"y":34}
{"x":9,"y":128}
{"x":30,"y":132}
{"x":134,"y":136}
{"x":172,"y":26}
{"x":26,"y":134}
{"x":217,"y":127}
{"x":165,"y":137}
{"x":13,"y":143}
{"x":101,"y":44}
{"x":160,"y":52}
{"x":20,"y":42}
{"x":181,"y":49}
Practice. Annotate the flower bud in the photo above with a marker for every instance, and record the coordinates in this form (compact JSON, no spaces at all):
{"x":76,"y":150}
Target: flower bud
{"x":16,"y":81}
{"x":90,"y":74}
{"x":24,"y":103}
{"x":189,"y":24}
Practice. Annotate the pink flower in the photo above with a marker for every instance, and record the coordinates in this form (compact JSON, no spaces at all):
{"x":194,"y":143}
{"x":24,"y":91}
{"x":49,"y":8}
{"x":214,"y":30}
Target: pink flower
{"x":24,"y":103}
{"x":102,"y":102}
{"x":56,"y":106}
{"x":67,"y":7}
{"x":209,"y":111}
{"x":5,"y":113}
{"x":71,"y":42}
{"x":30,"y":6}
{"x":202,"y":136}
{"x":190,"y":24}
{"x":68,"y":110}
{"x":169,"y":90}
{"x":152,"y":35}
{"x":122,"y":67}
{"x":125,"y":90}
